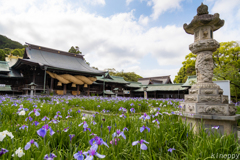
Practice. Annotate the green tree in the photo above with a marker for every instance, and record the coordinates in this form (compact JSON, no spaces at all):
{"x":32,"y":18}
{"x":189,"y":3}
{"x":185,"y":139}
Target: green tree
{"x":187,"y":69}
{"x":18,"y":52}
{"x":227,"y":65}
{"x":74,"y":50}
{"x":2,"y":55}
{"x":128,"y":76}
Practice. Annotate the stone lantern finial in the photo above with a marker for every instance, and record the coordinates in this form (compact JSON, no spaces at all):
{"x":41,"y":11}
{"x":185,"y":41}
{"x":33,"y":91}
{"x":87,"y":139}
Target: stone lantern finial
{"x":202,"y":9}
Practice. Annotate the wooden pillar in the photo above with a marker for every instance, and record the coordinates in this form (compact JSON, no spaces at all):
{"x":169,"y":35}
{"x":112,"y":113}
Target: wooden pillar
{"x":51,"y":88}
{"x":155,"y":94}
{"x":65,"y":89}
{"x":88,"y":91}
{"x":77,"y":90}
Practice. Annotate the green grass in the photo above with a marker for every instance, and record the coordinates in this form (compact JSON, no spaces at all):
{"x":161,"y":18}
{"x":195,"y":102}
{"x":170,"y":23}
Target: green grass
{"x":170,"y":133}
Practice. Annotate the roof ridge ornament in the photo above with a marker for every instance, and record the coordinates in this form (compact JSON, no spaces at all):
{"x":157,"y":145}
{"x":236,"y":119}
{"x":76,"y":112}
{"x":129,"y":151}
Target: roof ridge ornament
{"x":202,"y":9}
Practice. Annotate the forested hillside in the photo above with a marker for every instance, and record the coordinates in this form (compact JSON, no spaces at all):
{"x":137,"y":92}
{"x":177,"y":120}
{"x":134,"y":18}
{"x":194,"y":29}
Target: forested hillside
{"x":8,"y":46}
{"x":8,"y":43}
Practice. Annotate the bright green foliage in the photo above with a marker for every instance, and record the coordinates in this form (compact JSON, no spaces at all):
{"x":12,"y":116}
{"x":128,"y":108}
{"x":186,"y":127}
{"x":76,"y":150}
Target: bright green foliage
{"x":19,"y":52}
{"x":74,"y":50}
{"x":227,"y":65}
{"x":128,"y":76}
{"x":6,"y":51}
{"x":188,"y":69}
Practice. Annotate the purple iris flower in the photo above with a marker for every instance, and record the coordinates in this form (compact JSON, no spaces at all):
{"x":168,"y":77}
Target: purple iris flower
{"x":109,"y":128}
{"x":118,"y":133}
{"x":29,"y":118}
{"x":43,"y":131}
{"x":35,"y":106}
{"x":156,"y":121}
{"x":79,"y":155}
{"x":65,"y":129}
{"x":215,"y":127}
{"x":28,"y":145}
{"x":142,"y":145}
{"x":35,"y":111}
{"x":69,"y":111}
{"x":122,"y":115}
{"x":3,"y":151}
{"x":58,"y":112}
{"x":173,"y":112}
{"x":51,"y":156}
{"x":68,"y":116}
{"x":92,"y":134}
{"x":103,"y":111}
{"x":71,"y":136}
{"x":125,"y":129}
{"x":93,"y":122}
{"x":145,"y":116}
{"x":85,"y":129}
{"x":57,"y":116}
{"x":170,"y":150}
{"x":97,"y":141}
{"x":93,"y":115}
{"x":131,"y":104}
{"x":132,"y":110}
{"x":98,"y":105}
{"x":91,"y":153}
{"x":120,"y":108}
{"x":158,"y":113}
{"x":35,"y":122}
{"x":143,"y":128}
{"x":78,"y":111}
{"x":23,"y":127}
{"x":85,"y":125}
{"x":45,"y":118}
{"x":54,"y":121}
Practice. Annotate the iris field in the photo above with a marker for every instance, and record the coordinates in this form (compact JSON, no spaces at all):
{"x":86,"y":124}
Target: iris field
{"x":59,"y":128}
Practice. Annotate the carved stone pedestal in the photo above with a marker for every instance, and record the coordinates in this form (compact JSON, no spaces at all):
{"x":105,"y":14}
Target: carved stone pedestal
{"x":227,"y":124}
{"x":205,"y":101}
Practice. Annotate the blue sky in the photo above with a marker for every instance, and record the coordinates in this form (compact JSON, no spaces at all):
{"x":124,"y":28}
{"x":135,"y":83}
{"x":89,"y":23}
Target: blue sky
{"x":141,"y":36}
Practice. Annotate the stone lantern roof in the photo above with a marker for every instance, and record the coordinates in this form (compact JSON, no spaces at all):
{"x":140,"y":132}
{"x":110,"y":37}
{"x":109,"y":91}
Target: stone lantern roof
{"x":203,"y":19}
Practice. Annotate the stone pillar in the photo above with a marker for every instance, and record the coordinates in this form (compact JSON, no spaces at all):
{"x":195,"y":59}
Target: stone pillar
{"x":205,"y":101}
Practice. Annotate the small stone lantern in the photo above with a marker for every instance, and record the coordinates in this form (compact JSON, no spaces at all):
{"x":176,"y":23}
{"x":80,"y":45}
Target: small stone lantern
{"x":116,"y":91}
{"x":145,"y":92}
{"x":32,"y":88}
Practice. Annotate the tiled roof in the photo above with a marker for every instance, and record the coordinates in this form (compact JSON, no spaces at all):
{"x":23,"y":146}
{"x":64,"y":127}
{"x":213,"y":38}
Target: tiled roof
{"x":163,"y":87}
{"x":190,"y":81}
{"x":4,"y":67}
{"x":57,"y":60}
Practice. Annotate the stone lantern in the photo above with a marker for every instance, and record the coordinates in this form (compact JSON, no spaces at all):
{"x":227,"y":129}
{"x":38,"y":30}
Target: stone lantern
{"x":205,"y":101}
{"x":116,"y":91}
{"x":32,"y":88}
{"x":145,"y":92}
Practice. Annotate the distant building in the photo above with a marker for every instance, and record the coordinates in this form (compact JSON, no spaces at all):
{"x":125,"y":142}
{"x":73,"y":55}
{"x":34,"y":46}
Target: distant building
{"x":52,"y":70}
{"x":155,"y":80}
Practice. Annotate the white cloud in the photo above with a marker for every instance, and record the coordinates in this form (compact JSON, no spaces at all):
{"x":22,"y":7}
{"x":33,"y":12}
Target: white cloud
{"x":96,"y":2}
{"x":143,"y":20}
{"x":230,"y":12}
{"x":119,"y":41}
{"x":161,"y":6}
{"x":128,"y":2}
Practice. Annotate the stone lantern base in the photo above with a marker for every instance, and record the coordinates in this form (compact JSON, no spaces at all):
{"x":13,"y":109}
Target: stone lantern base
{"x":227,"y":124}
